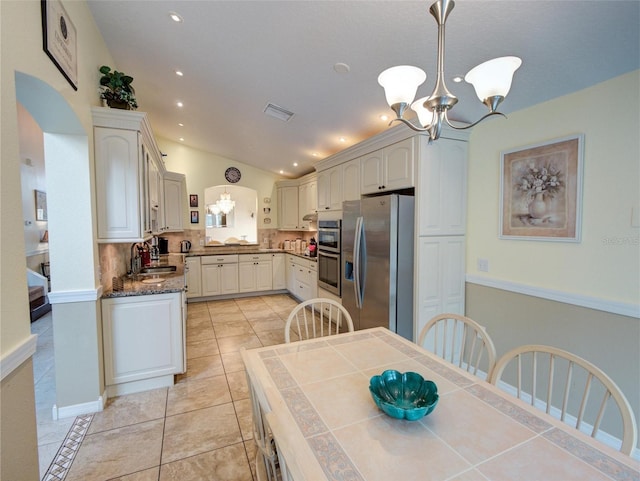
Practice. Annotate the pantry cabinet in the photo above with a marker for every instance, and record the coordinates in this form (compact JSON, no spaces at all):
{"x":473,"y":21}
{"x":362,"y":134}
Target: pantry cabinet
{"x":129,"y":169}
{"x":144,"y":342}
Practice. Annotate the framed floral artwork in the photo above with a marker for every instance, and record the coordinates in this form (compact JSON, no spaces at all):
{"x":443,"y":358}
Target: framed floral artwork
{"x":541,"y":191}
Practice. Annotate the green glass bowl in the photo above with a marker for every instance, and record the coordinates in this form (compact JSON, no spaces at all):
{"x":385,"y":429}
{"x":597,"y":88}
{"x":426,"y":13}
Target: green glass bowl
{"x":404,"y":395}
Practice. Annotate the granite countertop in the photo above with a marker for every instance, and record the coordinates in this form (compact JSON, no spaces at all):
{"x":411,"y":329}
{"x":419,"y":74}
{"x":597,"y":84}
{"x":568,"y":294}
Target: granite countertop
{"x":224,"y":250}
{"x":134,"y":285}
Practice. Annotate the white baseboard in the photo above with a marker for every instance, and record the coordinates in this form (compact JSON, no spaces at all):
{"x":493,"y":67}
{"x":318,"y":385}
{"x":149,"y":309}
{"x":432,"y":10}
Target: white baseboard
{"x":79,"y":409}
{"x":614,"y":307}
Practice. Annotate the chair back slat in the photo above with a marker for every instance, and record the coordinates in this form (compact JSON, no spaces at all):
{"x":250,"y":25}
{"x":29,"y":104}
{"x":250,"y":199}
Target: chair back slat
{"x":577,"y":407}
{"x":317,"y":317}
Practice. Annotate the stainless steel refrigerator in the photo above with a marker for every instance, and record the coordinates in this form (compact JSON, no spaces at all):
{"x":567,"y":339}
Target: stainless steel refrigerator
{"x":377,"y":256}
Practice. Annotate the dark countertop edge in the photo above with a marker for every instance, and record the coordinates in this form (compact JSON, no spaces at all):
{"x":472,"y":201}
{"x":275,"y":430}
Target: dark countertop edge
{"x":200,"y":253}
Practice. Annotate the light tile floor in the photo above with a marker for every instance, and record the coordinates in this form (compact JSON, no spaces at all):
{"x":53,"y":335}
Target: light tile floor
{"x":199,"y":429}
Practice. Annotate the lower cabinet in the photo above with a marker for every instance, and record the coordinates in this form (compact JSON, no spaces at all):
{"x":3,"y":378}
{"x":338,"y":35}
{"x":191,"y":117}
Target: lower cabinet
{"x":303,"y":278}
{"x":193,"y":275}
{"x":219,"y":275}
{"x":255,"y":272}
{"x":144,"y":342}
{"x":278,"y":267}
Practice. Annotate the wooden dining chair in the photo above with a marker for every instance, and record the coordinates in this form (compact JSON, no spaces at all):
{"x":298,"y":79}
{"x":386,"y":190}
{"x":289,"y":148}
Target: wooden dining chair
{"x":565,"y":386}
{"x":317,"y":318}
{"x":460,"y":341}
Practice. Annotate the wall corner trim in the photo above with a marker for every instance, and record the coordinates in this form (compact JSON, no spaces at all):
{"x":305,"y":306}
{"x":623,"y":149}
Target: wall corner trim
{"x":614,"y":307}
{"x":63,"y":297}
{"x":19,"y":354}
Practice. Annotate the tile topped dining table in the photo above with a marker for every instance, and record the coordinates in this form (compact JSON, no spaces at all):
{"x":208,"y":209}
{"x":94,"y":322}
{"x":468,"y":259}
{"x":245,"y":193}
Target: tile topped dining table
{"x":315,"y":396}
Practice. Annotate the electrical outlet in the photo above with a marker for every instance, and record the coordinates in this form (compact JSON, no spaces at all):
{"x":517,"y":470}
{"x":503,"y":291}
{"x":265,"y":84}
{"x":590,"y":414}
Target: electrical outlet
{"x":201,"y":242}
{"x":483,"y":265}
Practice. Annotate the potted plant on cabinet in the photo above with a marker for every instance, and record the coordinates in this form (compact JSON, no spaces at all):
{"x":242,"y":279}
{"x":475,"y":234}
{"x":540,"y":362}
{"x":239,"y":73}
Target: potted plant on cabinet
{"x":116,"y":89}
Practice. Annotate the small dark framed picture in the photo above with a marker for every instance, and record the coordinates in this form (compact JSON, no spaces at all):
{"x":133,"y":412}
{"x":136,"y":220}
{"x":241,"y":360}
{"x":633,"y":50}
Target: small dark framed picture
{"x":193,"y":200}
{"x":195,"y":218}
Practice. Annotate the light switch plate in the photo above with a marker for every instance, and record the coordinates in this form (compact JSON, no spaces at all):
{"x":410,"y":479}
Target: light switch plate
{"x":483,"y":265}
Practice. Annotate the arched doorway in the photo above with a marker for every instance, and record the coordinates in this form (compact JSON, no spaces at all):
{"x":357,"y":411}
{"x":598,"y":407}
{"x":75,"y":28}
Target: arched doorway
{"x":75,"y":289}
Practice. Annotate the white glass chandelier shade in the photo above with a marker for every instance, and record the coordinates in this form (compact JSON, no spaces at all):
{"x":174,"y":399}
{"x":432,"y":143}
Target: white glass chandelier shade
{"x":225,"y":204}
{"x":214,"y":209}
{"x":425,"y":116}
{"x":401,"y":83}
{"x":493,"y":77}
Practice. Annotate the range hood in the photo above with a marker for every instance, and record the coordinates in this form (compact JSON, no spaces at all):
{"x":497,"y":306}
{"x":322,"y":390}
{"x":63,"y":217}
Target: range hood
{"x":311,"y":217}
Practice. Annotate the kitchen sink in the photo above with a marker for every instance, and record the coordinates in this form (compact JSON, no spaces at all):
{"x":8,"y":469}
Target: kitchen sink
{"x":158,"y":270}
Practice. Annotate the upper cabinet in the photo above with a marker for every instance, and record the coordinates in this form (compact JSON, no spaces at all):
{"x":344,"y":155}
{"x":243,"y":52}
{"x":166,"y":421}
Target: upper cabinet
{"x":388,"y":169}
{"x":296,"y":199}
{"x":351,"y":180}
{"x":129,"y":177}
{"x":330,"y":189}
{"x":174,"y":201}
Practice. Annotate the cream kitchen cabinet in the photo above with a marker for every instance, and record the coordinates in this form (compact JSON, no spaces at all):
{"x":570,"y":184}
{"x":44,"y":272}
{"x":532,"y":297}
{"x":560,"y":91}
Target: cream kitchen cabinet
{"x":219,"y":275}
{"x":290,"y":273}
{"x":174,"y":201}
{"x":288,"y":208}
{"x":303,"y":277}
{"x":330,"y":189}
{"x":128,"y":167}
{"x":193,"y":277}
{"x":351,"y":180}
{"x":388,"y":169}
{"x":278,"y":270}
{"x":255,"y":272}
{"x":307,"y":202}
{"x":144,"y":342}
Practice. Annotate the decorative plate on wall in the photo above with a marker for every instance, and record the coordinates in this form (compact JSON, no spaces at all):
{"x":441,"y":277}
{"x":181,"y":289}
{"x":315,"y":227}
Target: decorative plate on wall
{"x":232,"y":175}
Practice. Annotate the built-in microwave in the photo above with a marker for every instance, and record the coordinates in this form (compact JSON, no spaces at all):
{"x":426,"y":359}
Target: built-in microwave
{"x":329,"y":233}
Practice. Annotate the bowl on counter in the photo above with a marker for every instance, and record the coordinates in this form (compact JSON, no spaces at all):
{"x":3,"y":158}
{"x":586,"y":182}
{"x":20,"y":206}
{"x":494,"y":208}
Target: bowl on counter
{"x":403,"y":395}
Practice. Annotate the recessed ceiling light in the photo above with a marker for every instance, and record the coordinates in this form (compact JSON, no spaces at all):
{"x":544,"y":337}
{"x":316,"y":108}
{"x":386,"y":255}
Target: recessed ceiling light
{"x":180,"y":125}
{"x":179,"y":73}
{"x":342,"y":139}
{"x":175,"y":17}
{"x":282,"y":171}
{"x":457,"y":79}
{"x":295,"y":164}
{"x":341,"y":67}
{"x":179,"y":104}
{"x":384,"y":117}
{"x":315,"y":154}
{"x":181,"y":139}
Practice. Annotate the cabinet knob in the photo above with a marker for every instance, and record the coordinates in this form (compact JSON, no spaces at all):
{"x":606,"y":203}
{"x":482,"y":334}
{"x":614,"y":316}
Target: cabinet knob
{"x":327,"y":208}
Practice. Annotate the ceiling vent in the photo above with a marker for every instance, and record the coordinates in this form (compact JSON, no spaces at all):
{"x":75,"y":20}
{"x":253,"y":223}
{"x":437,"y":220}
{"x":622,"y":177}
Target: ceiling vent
{"x":278,"y":112}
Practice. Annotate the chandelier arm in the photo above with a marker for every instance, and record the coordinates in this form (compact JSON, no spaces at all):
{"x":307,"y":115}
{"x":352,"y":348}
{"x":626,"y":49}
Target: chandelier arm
{"x":410,"y":125}
{"x":490,"y":114}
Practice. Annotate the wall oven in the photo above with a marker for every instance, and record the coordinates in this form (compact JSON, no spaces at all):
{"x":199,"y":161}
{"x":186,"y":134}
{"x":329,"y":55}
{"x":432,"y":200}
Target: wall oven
{"x":329,"y":263}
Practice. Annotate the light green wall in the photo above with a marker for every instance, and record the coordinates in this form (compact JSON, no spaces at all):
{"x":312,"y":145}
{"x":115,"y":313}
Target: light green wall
{"x":594,"y":267}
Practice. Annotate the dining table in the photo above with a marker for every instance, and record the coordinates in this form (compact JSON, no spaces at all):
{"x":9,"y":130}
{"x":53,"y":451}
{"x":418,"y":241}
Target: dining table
{"x":314,"y":419}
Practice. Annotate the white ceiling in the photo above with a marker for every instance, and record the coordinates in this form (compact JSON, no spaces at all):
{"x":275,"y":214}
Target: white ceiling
{"x":237,"y":56}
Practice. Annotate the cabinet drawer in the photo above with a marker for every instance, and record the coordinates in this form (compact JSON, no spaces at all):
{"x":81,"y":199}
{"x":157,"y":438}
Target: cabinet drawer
{"x":254,"y":257}
{"x":222,"y":259}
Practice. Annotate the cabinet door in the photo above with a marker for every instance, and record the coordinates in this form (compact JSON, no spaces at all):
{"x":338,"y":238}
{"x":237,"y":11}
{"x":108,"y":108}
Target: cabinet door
{"x":288,"y":207}
{"x":118,"y":184}
{"x":324,"y":195}
{"x":194,"y":277}
{"x":312,"y":196}
{"x":228,"y":278}
{"x":398,"y":164}
{"x":441,"y":195}
{"x":173,"y":204}
{"x":351,"y":180}
{"x":335,"y":188}
{"x":142,"y":337}
{"x":211,"y":279}
{"x":246,"y":277}
{"x":440,"y":277}
{"x":278,"y":271}
{"x":291,"y":274}
{"x":303,"y":205}
{"x":264,"y":276}
{"x":371,"y":179}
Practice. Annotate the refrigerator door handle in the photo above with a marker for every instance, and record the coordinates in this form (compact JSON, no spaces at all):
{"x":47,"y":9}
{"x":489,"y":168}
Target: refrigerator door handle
{"x":357,"y":262}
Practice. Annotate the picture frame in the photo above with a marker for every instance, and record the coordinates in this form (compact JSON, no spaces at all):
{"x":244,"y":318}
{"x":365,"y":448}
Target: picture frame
{"x":59,"y":39}
{"x":195,"y":217}
{"x":41,"y":205}
{"x":541,"y":191}
{"x":193,"y":200}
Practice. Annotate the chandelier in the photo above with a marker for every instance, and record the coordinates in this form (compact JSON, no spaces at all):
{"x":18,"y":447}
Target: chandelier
{"x":491,"y":81}
{"x":225,"y":204}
